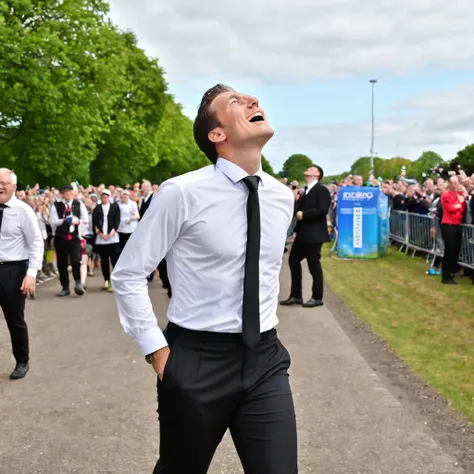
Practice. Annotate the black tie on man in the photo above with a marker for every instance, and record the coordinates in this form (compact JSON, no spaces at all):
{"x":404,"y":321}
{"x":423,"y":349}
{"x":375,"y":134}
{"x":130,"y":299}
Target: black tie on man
{"x":21,"y":256}
{"x":254,"y":393}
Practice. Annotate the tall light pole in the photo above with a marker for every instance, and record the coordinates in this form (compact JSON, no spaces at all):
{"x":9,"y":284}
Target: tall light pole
{"x":373,"y":82}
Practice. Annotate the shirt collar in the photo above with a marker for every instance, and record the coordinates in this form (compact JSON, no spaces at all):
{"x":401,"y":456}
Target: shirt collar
{"x":312,"y":184}
{"x":12,"y":201}
{"x":236,"y":173}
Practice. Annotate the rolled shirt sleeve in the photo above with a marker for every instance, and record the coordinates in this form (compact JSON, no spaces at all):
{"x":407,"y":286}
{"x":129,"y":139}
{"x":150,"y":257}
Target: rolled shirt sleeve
{"x":35,"y":242}
{"x":156,"y":232}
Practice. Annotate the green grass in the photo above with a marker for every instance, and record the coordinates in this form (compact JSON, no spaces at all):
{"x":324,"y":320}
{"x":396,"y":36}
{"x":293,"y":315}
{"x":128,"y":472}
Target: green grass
{"x":430,"y":326}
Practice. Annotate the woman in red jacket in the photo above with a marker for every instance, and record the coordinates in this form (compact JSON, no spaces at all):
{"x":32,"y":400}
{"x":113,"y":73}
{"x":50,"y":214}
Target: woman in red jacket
{"x":454,"y":206}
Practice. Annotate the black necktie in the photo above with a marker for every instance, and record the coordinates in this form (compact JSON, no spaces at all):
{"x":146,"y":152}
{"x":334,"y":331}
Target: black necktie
{"x":305,"y":190}
{"x":251,"y":302}
{"x":2,"y":207}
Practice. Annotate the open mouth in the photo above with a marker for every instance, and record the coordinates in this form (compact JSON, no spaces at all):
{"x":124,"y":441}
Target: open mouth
{"x":258,"y":117}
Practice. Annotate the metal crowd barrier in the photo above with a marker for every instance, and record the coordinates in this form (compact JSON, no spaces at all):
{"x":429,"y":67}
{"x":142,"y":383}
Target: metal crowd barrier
{"x":415,"y":232}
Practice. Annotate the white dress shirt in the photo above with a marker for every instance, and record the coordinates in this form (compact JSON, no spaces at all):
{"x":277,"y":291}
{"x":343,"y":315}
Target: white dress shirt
{"x":199,"y":222}
{"x":310,"y":186}
{"x":55,"y":221}
{"x":20,"y":236}
{"x":127,"y":211}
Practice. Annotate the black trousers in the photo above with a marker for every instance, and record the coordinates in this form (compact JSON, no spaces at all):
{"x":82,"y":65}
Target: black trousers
{"x":452,"y":237}
{"x":68,"y":252}
{"x":312,"y":254}
{"x":123,"y":239}
{"x":163,"y":270}
{"x":12,"y":301}
{"x":212,"y":383}
{"x":109,"y":254}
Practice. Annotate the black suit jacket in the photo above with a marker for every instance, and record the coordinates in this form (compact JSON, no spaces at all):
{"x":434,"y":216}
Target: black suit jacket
{"x":144,"y":206}
{"x":315,"y":206}
{"x":113,"y":218}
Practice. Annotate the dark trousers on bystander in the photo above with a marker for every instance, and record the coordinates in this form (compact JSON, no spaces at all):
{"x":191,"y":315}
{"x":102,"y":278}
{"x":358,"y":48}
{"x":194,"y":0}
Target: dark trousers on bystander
{"x":68,"y":252}
{"x":12,"y":301}
{"x":109,"y":254}
{"x":312,"y":253}
{"x":163,"y":271}
{"x":212,"y":383}
{"x":123,"y":240}
{"x":452,"y":237}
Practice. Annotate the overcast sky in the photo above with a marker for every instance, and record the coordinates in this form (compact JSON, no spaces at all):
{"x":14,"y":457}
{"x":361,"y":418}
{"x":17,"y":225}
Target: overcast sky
{"x":309,"y":63}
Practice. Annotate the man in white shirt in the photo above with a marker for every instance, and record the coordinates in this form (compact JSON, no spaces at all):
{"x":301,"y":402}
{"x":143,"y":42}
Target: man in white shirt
{"x":21,"y":257}
{"x":219,"y":362}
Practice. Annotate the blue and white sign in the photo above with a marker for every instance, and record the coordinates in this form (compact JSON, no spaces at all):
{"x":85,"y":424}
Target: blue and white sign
{"x":362,"y":218}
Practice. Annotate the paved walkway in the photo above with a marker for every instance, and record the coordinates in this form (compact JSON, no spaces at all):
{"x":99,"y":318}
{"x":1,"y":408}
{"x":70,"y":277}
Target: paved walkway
{"x":88,"y":404}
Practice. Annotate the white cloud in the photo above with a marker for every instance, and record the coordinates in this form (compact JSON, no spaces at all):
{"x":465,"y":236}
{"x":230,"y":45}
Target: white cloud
{"x":441,"y":121}
{"x":278,"y":40}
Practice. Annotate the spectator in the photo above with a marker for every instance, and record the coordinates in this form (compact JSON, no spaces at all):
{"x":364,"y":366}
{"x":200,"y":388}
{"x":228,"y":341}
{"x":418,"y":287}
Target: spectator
{"x":106,"y":221}
{"x":454,"y":206}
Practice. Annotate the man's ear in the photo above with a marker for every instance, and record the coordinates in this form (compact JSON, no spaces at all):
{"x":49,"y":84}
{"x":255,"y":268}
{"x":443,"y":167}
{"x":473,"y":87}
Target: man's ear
{"x":216,"y":135}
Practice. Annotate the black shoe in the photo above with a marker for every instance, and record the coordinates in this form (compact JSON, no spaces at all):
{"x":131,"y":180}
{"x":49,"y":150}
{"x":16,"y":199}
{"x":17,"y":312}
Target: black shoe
{"x":291,"y":301}
{"x":449,"y":282}
{"x":20,"y":370}
{"x":312,"y":303}
{"x":63,"y":292}
{"x":79,"y":289}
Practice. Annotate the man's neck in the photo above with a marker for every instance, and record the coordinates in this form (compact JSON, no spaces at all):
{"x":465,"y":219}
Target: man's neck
{"x":249,"y":159}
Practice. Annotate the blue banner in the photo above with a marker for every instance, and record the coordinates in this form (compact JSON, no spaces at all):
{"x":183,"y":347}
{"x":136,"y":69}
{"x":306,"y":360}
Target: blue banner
{"x":362,"y":221}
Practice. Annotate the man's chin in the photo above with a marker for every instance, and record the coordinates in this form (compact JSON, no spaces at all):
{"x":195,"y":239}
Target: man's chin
{"x":265,"y":134}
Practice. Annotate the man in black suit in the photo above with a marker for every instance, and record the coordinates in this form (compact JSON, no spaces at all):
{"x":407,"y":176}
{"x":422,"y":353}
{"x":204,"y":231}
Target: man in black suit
{"x":147,"y":196}
{"x":311,"y":209}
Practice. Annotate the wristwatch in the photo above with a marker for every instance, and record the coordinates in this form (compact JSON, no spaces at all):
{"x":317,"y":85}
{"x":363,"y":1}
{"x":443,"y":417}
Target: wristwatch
{"x":149,"y":357}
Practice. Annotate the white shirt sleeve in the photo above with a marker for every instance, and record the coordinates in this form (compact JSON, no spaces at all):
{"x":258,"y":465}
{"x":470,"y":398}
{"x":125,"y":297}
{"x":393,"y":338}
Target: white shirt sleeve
{"x":159,"y":228}
{"x":84,"y":214}
{"x":35,"y":242}
{"x":54,"y":220}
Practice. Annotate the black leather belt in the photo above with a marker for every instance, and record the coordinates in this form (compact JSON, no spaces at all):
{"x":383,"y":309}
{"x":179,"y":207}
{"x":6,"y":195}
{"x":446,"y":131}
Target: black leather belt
{"x":17,"y":262}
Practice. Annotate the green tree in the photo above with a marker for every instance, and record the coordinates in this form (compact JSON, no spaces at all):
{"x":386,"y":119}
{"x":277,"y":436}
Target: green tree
{"x":51,"y":115}
{"x":176,"y":149}
{"x":267,"y":167}
{"x":295,"y":166}
{"x":424,"y":164}
{"x":129,"y":145}
{"x":465,"y":158}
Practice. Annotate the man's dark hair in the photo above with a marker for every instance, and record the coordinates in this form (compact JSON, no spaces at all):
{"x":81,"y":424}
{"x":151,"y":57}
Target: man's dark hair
{"x":321,"y":172}
{"x":206,"y":120}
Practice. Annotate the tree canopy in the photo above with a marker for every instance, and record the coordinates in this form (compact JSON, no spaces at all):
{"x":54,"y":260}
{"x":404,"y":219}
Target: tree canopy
{"x":267,"y":167}
{"x":295,"y":166}
{"x":465,"y":157}
{"x":80,"y":100}
{"x":390,"y":168}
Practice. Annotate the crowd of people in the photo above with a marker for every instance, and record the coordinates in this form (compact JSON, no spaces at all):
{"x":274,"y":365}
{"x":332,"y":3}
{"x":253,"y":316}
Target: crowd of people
{"x":86,"y":228}
{"x":449,"y":199}
{"x":219,"y":362}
